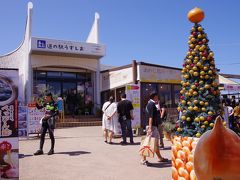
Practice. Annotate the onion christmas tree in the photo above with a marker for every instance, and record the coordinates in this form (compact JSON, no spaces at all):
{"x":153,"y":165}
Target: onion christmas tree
{"x":200,"y":97}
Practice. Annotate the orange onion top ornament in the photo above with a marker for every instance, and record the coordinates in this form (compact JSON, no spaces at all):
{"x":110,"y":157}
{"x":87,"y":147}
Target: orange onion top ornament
{"x":217,"y":154}
{"x":195,"y":15}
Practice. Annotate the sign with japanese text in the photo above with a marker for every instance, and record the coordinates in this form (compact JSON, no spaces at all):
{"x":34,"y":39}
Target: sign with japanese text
{"x":69,"y":47}
{"x":34,"y":116}
{"x":231,"y":87}
{"x":22,"y":121}
{"x":159,"y":74}
{"x":133,"y":94}
{"x":113,"y":79}
{"x":8,"y":103}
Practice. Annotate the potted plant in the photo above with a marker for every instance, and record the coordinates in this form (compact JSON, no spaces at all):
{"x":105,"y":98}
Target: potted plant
{"x":168,"y":129}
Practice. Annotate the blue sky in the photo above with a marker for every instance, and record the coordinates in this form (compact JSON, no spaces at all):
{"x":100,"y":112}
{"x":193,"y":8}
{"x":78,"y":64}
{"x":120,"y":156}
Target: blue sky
{"x":153,"y":31}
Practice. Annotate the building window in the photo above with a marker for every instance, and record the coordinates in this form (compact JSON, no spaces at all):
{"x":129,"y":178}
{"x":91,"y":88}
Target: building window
{"x":54,"y":87}
{"x":76,"y":89}
{"x":39,"y":87}
{"x":81,"y":76}
{"x":106,"y":94}
{"x":176,"y":94}
{"x":53,"y":74}
{"x":119,"y":92}
{"x":41,"y":74}
{"x":165,"y":95}
{"x":69,"y":75}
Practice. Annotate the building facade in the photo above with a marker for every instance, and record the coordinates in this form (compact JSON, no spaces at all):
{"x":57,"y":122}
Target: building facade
{"x":68,"y":69}
{"x":72,"y":70}
{"x":163,"y":80}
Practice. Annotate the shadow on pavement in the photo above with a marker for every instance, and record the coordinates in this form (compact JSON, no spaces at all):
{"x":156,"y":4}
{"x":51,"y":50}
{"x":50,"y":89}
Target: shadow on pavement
{"x":73,"y":153}
{"x":166,"y":148}
{"x":161,"y":164}
{"x":21,"y":156}
{"x":136,"y":144}
{"x":128,"y":144}
{"x":34,"y":138}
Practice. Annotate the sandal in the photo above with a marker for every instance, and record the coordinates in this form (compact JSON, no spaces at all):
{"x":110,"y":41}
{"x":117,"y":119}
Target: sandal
{"x":144,"y":162}
{"x":163,"y":160}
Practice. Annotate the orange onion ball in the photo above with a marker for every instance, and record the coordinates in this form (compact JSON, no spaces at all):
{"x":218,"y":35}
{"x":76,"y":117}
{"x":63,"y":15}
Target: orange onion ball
{"x":195,"y":15}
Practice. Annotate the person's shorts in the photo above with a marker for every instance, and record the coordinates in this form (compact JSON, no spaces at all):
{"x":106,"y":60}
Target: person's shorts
{"x":155,"y":132}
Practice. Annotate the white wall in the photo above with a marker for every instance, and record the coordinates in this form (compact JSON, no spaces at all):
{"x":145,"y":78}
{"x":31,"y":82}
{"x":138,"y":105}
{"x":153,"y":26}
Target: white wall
{"x":15,"y":60}
{"x":62,"y":61}
{"x":112,"y":79}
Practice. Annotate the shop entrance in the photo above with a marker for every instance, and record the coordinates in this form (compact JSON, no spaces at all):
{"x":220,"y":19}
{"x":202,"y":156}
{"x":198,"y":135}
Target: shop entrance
{"x":75,"y":88}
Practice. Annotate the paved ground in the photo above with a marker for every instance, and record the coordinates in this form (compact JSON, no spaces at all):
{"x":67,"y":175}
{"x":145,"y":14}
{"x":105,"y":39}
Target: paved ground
{"x":81,"y":154}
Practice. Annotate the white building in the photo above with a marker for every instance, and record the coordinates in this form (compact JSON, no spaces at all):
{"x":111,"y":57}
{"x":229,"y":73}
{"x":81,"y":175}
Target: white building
{"x":59,"y":66}
{"x":66,"y":67}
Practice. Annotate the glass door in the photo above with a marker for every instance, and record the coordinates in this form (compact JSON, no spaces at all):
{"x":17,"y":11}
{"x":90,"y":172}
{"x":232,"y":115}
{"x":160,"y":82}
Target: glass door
{"x":80,"y":97}
{"x":70,"y":98}
{"x":54,"y":87}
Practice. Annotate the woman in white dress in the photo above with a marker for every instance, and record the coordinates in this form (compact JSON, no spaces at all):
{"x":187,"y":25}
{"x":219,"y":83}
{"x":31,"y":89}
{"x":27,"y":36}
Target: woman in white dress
{"x":109,"y":115}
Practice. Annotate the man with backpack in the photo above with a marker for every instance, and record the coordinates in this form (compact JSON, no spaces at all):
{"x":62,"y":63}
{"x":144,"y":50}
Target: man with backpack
{"x":125,"y":111}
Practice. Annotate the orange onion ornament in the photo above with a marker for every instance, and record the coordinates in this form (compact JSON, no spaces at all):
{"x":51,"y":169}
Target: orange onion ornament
{"x":195,"y":15}
{"x":217,"y":154}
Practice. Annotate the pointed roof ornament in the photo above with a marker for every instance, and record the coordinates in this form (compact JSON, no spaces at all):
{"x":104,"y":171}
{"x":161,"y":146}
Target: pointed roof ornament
{"x":30,"y":5}
{"x":28,"y":30}
{"x":93,"y":36}
{"x":97,"y":16}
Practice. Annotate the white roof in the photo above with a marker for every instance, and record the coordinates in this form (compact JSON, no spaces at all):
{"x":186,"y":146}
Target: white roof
{"x":223,"y":80}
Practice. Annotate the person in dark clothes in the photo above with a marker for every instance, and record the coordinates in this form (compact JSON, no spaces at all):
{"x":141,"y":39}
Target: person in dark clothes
{"x":233,"y":102}
{"x":125,"y":111}
{"x":230,"y":114}
{"x":71,"y":102}
{"x":48,"y":123}
{"x":152,"y":126}
{"x":161,"y":111}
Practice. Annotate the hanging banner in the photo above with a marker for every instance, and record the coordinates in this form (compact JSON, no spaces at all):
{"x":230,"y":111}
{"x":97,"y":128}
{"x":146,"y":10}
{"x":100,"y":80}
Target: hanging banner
{"x":228,"y":87}
{"x":34,"y":116}
{"x":8,"y":103}
{"x":133,"y":94}
{"x":9,"y":124}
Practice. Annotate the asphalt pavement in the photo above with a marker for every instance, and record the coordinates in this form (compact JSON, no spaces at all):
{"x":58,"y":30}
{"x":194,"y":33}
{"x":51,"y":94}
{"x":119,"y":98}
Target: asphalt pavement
{"x":81,"y":154}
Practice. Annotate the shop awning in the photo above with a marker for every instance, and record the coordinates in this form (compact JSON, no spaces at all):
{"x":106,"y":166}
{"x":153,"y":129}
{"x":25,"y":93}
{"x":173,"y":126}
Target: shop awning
{"x":227,"y":84}
{"x":223,"y":80}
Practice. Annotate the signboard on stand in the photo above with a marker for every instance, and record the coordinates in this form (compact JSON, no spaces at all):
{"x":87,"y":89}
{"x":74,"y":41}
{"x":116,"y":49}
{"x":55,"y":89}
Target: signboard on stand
{"x":133,"y":94}
{"x":22,"y":121}
{"x":9,"y":124}
{"x":34,"y":117}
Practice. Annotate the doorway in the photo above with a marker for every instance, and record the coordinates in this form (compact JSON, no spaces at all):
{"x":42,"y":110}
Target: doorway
{"x":75,"y":88}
